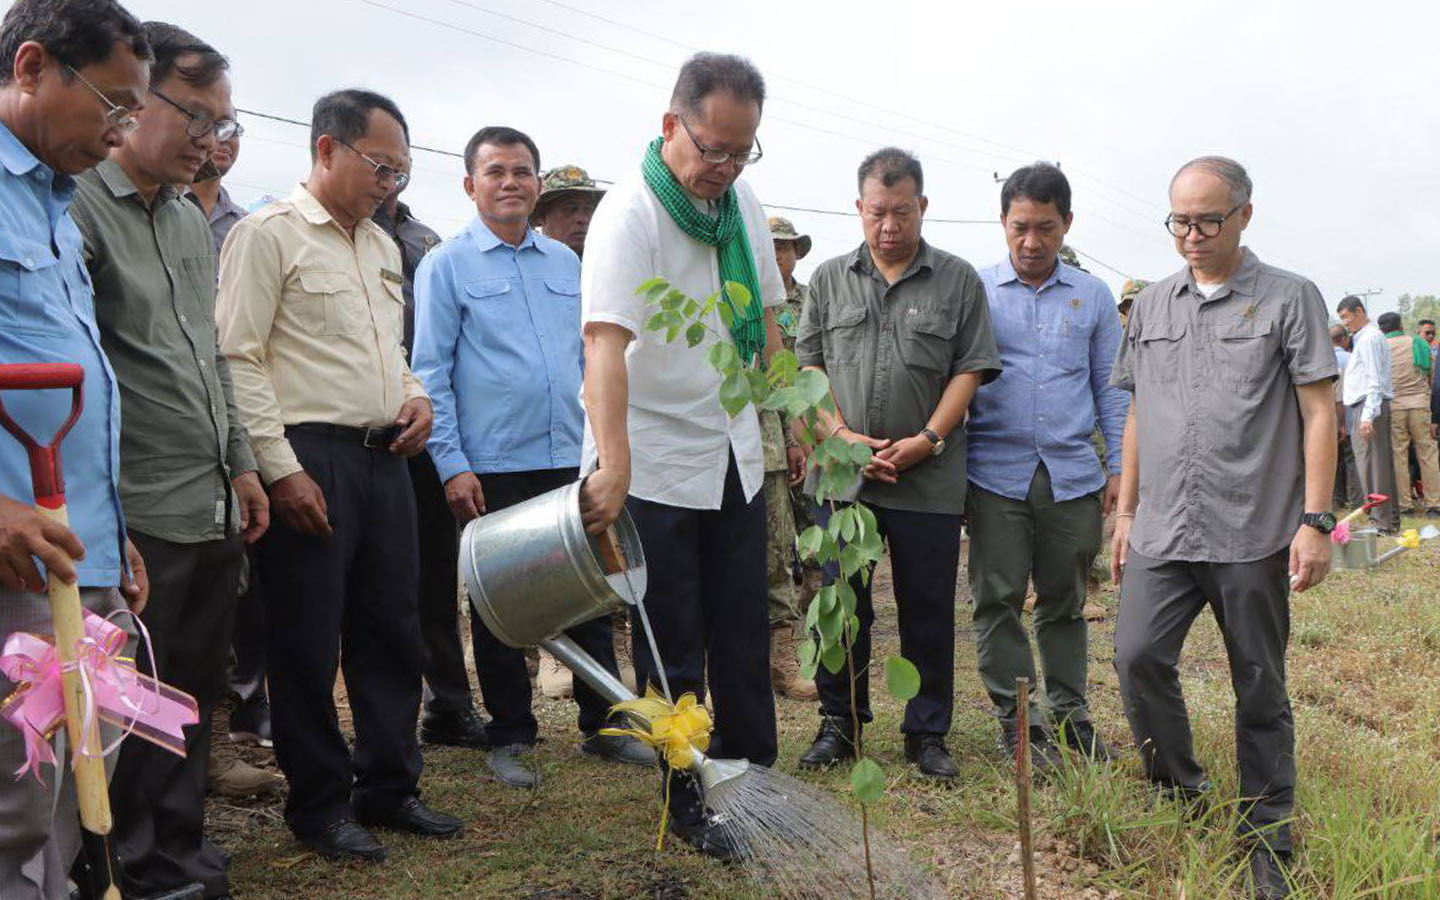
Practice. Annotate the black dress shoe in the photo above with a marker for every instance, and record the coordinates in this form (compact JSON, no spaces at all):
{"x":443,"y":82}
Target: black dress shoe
{"x":454,"y":729}
{"x":414,"y":817}
{"x":832,"y":744}
{"x":1045,"y":757}
{"x":928,"y":753}
{"x":346,"y":840}
{"x":708,"y":835}
{"x":250,"y":721}
{"x":1195,"y":801}
{"x":1081,"y":737}
{"x":1269,"y":874}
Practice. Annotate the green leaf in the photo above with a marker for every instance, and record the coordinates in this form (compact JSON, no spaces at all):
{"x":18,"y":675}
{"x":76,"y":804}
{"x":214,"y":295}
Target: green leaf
{"x":813,"y":385}
{"x":825,"y":599}
{"x":829,"y":625}
{"x":652,"y":287}
{"x":867,"y":780}
{"x":847,"y":525}
{"x":850,"y":560}
{"x":734,"y":393}
{"x":812,"y":617}
{"x":723,"y":357}
{"x":833,"y":658}
{"x":672,"y":333}
{"x":656,"y":322}
{"x":727,"y":315}
{"x":810,"y":540}
{"x":867,"y":519}
{"x":845,"y":596}
{"x":901,"y":677}
{"x":690,"y":307}
{"x":854,"y":624}
{"x":860,"y":454}
{"x":672,"y":301}
{"x":809,"y":653}
{"x":784,"y":368}
{"x":759,"y":387}
{"x":738,"y":293}
{"x":695,"y":334}
{"x":778,"y":399}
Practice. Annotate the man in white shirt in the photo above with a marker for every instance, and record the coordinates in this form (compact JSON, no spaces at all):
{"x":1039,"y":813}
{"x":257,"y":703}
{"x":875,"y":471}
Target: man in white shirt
{"x":1367,"y":396}
{"x":689,"y":474}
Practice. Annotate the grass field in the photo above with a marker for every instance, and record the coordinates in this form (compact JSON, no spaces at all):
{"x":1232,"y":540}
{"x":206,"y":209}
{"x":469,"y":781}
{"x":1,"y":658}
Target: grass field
{"x":1364,"y":672}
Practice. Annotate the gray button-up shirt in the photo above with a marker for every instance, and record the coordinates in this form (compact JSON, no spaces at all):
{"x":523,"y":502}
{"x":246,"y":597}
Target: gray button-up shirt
{"x":415,"y":239}
{"x":222,"y":216}
{"x":1222,"y":469}
{"x":180,"y":440}
{"x":890,"y":350}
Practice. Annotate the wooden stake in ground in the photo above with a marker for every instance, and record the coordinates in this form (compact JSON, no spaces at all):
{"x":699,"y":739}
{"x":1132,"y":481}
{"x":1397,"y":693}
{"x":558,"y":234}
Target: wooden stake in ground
{"x":1022,"y":784}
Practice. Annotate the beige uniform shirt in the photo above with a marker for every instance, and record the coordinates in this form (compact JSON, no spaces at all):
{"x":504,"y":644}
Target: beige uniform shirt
{"x":1410,"y":382}
{"x":311,"y":321}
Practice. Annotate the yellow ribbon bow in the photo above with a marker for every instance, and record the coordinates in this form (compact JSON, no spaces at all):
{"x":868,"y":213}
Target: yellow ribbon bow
{"x":1409,"y":539}
{"x":677,"y":730}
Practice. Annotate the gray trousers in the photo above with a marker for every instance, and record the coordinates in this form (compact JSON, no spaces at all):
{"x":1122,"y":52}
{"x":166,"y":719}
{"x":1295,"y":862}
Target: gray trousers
{"x":1376,"y":461}
{"x":36,"y":851}
{"x":1011,"y":542}
{"x":1251,"y":602}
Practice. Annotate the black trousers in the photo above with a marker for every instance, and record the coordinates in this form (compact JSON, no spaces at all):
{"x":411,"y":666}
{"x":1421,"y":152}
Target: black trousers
{"x":250,"y":637}
{"x":924,"y":560}
{"x":500,"y":669}
{"x":708,"y":603}
{"x":159,"y":798}
{"x":1251,"y":603}
{"x":447,"y":687}
{"x":349,"y":600}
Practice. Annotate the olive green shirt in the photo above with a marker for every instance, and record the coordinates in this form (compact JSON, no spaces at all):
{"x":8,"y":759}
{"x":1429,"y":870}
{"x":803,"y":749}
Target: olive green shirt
{"x":890,"y":350}
{"x":181,"y":440}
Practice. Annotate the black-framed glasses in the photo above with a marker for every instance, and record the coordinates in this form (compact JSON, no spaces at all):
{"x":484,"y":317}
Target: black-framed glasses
{"x":116,"y":116}
{"x":383,"y":171}
{"x":1208,"y":226}
{"x":716,"y":157}
{"x":201,"y":124}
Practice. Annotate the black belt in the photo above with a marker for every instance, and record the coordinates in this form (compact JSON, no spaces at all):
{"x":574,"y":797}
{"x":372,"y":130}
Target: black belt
{"x":378,"y":439}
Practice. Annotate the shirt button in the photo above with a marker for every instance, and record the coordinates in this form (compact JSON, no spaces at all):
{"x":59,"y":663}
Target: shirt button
{"x":183,"y":320}
{"x":29,"y":262}
{"x":202,"y":363}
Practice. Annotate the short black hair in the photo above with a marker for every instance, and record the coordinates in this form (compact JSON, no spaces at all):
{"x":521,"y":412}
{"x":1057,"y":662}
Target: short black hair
{"x":1351,"y":304}
{"x":706,"y":73}
{"x":171,"y":42}
{"x":499,"y":136}
{"x":1389,"y":321}
{"x":1040,"y":182}
{"x":78,"y":33}
{"x":1423,"y":322}
{"x":890,"y":165}
{"x":345,"y":116}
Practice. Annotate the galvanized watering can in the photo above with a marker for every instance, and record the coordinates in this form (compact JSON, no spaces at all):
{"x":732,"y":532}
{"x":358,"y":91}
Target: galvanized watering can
{"x":531,"y":572}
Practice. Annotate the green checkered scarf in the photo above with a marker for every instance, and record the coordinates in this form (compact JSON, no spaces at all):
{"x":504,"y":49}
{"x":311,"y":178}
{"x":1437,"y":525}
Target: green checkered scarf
{"x":726,"y":233}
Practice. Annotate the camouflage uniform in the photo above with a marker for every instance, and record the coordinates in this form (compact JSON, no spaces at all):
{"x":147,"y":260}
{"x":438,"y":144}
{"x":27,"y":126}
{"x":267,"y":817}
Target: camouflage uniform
{"x":1128,"y":293}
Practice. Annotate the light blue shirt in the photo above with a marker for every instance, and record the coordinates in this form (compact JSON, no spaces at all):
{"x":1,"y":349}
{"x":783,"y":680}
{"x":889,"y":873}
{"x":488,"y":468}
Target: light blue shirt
{"x":497,"y":346}
{"x":47,"y":315}
{"x":1057,"y":346}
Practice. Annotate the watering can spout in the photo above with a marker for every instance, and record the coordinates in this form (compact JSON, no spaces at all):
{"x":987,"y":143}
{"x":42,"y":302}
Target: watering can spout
{"x":718,"y":776}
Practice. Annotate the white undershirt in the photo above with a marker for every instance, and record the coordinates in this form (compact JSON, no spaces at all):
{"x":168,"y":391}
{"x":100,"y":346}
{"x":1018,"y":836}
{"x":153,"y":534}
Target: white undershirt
{"x":1209,"y":290}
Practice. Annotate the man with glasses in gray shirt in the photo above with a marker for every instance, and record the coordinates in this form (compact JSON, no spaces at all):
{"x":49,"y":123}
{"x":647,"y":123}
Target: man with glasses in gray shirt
{"x":1228,"y":466}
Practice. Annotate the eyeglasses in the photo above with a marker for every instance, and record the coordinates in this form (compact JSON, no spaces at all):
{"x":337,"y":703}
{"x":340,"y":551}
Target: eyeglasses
{"x":201,"y":124}
{"x":719,"y":157}
{"x":118,"y":116}
{"x":383,"y":171}
{"x":1208,"y":226}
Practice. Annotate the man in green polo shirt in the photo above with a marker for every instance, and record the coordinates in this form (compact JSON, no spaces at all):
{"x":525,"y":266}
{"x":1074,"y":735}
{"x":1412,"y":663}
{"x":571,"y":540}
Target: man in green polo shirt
{"x":187,"y":477}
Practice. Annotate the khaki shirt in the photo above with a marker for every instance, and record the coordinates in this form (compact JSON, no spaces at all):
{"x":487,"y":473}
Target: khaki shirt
{"x":1222,"y":474}
{"x":180,"y":440}
{"x":890,"y":350}
{"x":1410,"y":383}
{"x":311,"y":321}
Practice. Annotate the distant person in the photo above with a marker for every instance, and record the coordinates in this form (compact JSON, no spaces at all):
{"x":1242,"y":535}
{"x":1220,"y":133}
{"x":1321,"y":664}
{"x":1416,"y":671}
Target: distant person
{"x":567,"y":201}
{"x":1412,"y":371}
{"x":1224,"y":350}
{"x":1128,"y":293}
{"x":1367,"y":396}
{"x":1348,"y":492}
{"x":1426,"y":330}
{"x":1038,"y":495}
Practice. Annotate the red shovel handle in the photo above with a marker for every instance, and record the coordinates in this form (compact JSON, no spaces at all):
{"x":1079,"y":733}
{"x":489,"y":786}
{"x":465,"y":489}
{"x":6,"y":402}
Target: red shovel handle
{"x":45,"y":471}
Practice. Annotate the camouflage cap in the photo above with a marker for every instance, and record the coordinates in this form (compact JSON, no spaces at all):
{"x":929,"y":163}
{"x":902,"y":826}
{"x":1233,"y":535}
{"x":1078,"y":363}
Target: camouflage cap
{"x":1068,"y":257}
{"x":782,"y":229}
{"x":1130,"y":291}
{"x":561,"y":180}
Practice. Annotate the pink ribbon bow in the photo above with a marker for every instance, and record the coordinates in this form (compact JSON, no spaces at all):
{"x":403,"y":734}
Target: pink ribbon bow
{"x":111,"y":691}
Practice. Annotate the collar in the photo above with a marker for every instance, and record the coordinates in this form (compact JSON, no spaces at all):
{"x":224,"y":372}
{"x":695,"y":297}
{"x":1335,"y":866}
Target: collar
{"x":121,"y":186}
{"x":861,"y":261}
{"x":309,"y":208}
{"x":486,"y":240}
{"x":1242,"y":281}
{"x":15,"y":156}
{"x":1005,"y":273}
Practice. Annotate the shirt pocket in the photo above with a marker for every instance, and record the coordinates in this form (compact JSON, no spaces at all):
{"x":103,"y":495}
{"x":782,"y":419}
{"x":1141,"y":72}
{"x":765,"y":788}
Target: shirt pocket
{"x":333,"y":304}
{"x":198,"y":302}
{"x":1158,"y":353}
{"x":567,"y":292}
{"x":845,"y":337}
{"x":930,"y":340}
{"x":29,"y":274}
{"x":392,"y":317}
{"x":1244,"y":351}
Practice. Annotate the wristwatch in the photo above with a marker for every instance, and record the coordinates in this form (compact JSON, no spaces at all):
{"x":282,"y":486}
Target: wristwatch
{"x":936,"y":441}
{"x":1322,"y":522}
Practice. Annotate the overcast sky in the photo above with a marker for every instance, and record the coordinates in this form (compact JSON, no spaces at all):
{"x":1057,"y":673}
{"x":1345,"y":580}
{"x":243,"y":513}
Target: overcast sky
{"x":1332,"y":107}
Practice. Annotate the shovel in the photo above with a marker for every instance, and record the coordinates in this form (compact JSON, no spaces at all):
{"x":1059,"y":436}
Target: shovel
{"x":91,"y":789}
